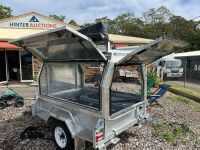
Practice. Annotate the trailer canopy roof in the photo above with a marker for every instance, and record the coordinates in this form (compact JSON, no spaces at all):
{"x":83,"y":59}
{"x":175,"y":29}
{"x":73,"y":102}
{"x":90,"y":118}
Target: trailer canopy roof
{"x":61,"y":44}
{"x":153,"y":51}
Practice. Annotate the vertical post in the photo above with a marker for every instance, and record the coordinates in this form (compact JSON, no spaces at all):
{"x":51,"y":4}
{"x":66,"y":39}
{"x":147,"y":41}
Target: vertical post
{"x":20,"y":66}
{"x":161,"y":73}
{"x":76,"y":75}
{"x":144,"y":75}
{"x":108,"y":47}
{"x":185,"y":70}
{"x":105,"y":86}
{"x":7,"y":70}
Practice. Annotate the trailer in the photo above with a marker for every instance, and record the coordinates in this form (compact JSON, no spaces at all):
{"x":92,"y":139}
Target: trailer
{"x":96,"y":111}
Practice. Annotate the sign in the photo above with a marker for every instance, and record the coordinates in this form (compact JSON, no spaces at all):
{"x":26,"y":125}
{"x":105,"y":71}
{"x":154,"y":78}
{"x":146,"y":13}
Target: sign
{"x":196,"y":67}
{"x":31,"y":20}
{"x":33,"y":23}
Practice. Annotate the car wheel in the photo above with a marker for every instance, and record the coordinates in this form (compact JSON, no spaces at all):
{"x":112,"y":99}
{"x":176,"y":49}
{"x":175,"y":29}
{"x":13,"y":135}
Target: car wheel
{"x":62,"y":137}
{"x":19,"y":103}
{"x":2,"y":105}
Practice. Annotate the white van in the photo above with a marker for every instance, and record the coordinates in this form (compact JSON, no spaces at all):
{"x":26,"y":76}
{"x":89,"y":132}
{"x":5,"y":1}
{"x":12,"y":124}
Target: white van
{"x":172,"y":68}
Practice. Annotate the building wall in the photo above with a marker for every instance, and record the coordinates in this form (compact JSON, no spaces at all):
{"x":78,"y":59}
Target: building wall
{"x":37,"y":64}
{"x":192,"y":64}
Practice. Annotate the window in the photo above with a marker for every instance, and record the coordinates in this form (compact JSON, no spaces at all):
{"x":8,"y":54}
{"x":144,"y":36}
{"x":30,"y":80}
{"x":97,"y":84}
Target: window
{"x":126,"y":87}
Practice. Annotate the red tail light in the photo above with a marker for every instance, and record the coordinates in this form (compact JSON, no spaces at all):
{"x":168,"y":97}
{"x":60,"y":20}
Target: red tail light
{"x":99,"y":137}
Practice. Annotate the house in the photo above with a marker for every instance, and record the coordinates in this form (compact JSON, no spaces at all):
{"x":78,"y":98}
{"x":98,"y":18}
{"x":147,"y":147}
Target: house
{"x":191,"y":62}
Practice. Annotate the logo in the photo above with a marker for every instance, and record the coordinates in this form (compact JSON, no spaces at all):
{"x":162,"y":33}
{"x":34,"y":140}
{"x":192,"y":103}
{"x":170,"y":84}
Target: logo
{"x":32,"y":23}
{"x":33,"y":19}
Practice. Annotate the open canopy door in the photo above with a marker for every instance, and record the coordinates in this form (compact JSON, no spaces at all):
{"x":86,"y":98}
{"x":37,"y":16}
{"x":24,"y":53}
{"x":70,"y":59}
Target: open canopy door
{"x":153,"y":51}
{"x":61,"y":44}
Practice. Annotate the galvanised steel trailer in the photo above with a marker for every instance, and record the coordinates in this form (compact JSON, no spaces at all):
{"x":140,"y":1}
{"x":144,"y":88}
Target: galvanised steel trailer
{"x":98,"y":110}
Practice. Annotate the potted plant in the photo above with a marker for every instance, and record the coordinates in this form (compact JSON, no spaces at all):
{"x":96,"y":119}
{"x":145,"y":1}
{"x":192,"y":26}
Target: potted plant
{"x":153,"y":76}
{"x":156,"y":79}
{"x":34,"y":80}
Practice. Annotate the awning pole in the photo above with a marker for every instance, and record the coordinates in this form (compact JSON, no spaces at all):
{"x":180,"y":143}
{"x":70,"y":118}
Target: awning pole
{"x":185,"y":73}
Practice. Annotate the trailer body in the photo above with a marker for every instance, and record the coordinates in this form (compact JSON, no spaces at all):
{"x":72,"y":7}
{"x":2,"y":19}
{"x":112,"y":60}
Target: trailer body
{"x":100,"y":111}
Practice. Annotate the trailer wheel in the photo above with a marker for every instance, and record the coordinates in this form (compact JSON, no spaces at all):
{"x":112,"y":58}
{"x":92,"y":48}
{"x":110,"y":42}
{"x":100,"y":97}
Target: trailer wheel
{"x":62,"y":137}
{"x":2,"y":105}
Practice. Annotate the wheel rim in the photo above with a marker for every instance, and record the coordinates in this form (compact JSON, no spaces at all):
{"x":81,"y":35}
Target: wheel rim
{"x":60,"y":137}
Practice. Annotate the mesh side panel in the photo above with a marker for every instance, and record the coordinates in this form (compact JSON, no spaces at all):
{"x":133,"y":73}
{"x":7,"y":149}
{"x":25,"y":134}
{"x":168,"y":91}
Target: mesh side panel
{"x":43,"y":82}
{"x":61,"y":77}
{"x":126,"y":87}
{"x":72,"y":82}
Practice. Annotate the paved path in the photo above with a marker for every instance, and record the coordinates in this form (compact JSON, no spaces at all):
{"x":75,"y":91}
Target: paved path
{"x":28,"y":92}
{"x":189,"y":85}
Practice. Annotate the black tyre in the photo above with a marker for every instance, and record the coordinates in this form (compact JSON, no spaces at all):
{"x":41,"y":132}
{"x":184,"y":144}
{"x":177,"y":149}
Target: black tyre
{"x":19,"y":103}
{"x":62,"y":137}
{"x":2,"y":105}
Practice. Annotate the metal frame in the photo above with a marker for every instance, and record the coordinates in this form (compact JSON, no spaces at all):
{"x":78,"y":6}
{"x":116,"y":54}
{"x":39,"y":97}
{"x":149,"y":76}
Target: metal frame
{"x":6,"y":63}
{"x":80,"y":106}
{"x":21,"y":79}
{"x":143,"y":90}
{"x":83,"y":121}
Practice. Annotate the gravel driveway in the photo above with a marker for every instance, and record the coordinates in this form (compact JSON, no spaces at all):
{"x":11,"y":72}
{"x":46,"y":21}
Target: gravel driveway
{"x":13,"y":121}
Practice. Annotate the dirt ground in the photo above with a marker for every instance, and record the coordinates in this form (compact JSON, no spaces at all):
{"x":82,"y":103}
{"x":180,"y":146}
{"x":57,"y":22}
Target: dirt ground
{"x":175,"y":110}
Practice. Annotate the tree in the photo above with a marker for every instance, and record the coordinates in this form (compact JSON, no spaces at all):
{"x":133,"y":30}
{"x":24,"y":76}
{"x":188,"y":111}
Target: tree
{"x":159,"y":15}
{"x":108,"y":21}
{"x":73,"y":22}
{"x":123,"y":21}
{"x":186,"y":30}
{"x":155,"y":22}
{"x":5,"y":12}
{"x":61,"y":17}
{"x":121,"y":24}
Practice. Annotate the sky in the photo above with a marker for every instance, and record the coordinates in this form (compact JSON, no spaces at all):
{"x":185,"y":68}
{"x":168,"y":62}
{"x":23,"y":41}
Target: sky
{"x":85,"y":11}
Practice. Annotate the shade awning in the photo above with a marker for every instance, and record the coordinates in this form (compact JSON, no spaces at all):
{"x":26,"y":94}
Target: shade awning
{"x":7,"y":45}
{"x":121,"y":39}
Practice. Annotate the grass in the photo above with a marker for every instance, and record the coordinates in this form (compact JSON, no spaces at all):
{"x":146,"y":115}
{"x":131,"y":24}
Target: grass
{"x":182,"y":89}
{"x":198,"y":141}
{"x":185,"y":90}
{"x":187,"y":101}
{"x":180,"y":99}
{"x":171,"y":132}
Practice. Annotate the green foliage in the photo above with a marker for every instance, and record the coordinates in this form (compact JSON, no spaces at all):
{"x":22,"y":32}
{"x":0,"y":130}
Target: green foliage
{"x":171,"y":132}
{"x":5,"y":12}
{"x":154,"y":23}
{"x":60,"y":18}
{"x":198,"y":141}
{"x":184,"y":90}
{"x":73,"y":22}
{"x":159,"y":15}
{"x":151,"y":75}
{"x":181,"y":99}
{"x":34,"y":78}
